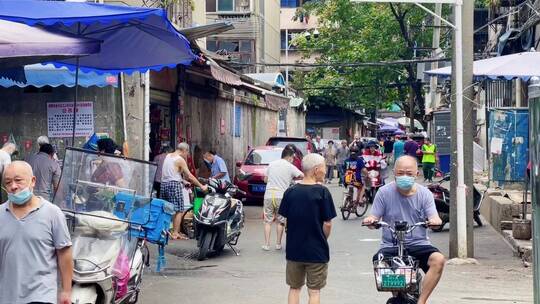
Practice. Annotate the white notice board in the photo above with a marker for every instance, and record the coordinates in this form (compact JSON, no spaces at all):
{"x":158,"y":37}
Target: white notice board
{"x":60,"y":119}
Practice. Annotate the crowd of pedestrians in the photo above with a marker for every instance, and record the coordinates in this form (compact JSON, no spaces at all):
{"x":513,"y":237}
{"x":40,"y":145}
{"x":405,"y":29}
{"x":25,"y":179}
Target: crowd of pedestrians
{"x":296,"y":200}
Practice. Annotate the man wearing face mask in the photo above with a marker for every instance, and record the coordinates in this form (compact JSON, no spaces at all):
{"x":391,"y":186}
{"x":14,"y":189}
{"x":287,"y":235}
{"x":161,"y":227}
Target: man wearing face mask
{"x":35,"y":244}
{"x":405,"y":200}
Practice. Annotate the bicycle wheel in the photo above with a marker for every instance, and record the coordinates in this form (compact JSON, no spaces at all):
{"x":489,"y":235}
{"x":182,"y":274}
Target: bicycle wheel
{"x":345,"y":209}
{"x":361,"y":207}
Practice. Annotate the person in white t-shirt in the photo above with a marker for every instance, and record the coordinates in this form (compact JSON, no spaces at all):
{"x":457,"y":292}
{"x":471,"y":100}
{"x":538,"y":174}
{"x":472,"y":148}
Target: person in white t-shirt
{"x":279,"y":176}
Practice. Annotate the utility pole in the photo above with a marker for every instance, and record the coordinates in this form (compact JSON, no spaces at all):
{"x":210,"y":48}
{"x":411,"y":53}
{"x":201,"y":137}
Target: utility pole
{"x":460,"y":201}
{"x":534,"y":158}
{"x":411,"y":105}
{"x":461,"y":223}
{"x":435,"y":65}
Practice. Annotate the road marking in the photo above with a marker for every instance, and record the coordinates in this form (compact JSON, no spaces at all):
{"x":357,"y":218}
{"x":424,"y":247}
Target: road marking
{"x":369,"y":240}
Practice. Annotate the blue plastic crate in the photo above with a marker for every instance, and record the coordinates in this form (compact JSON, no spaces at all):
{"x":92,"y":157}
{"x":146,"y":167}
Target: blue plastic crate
{"x":150,"y":217}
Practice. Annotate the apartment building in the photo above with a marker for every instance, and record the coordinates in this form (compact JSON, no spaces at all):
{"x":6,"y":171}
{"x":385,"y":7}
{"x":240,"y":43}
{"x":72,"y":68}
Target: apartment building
{"x":290,"y":28}
{"x":254,"y":41}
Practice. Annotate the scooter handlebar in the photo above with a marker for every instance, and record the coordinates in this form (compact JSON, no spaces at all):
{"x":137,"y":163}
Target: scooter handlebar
{"x":377,"y":225}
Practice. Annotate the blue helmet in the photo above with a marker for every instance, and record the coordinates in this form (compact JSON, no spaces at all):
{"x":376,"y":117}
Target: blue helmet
{"x":373,"y":144}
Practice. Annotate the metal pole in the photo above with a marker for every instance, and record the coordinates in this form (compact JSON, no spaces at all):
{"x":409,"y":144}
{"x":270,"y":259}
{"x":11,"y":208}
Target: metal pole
{"x":234,"y":131}
{"x":75,"y":102}
{"x":534,"y":158}
{"x":287,"y":62}
{"x":461,"y":201}
{"x":435,"y":65}
{"x":146,"y":111}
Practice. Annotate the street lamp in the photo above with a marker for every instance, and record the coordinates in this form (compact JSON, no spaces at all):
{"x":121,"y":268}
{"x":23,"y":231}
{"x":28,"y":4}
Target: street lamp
{"x":307,"y":35}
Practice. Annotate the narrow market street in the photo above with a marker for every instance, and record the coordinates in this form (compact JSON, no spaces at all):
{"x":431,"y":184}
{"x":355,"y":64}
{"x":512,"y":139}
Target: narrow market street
{"x":258,"y":277}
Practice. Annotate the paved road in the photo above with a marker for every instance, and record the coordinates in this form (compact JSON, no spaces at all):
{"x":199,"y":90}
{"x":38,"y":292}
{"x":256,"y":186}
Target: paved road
{"x":258,"y":277}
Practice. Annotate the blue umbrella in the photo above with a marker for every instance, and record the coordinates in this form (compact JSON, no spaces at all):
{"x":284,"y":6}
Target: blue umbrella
{"x":21,"y":44}
{"x":132,"y":38}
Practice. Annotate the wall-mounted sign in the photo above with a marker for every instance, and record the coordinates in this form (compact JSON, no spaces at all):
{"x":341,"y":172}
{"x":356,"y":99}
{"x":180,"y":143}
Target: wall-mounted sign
{"x":60,"y":119}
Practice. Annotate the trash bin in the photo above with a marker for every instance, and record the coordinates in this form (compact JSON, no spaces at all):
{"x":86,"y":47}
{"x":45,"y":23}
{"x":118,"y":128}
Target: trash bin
{"x":444,"y":163}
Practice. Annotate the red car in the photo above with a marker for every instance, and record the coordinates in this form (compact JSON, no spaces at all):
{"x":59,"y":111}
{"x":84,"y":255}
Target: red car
{"x":303,"y":147}
{"x":255,"y":166}
{"x":301,"y":143}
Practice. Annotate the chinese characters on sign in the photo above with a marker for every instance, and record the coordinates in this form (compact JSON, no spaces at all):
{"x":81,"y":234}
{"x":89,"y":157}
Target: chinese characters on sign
{"x":60,"y":119}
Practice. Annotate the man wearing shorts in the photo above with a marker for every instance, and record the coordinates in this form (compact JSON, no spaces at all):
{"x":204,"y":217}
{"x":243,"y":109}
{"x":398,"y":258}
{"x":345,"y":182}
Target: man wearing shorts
{"x":173,"y":172}
{"x":309,"y":210}
{"x":279,"y":176}
{"x":405,"y":200}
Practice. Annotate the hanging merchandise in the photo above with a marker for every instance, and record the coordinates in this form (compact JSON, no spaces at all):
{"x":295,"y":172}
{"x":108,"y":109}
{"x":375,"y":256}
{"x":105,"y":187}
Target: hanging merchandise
{"x":4,"y":138}
{"x":28,"y":145}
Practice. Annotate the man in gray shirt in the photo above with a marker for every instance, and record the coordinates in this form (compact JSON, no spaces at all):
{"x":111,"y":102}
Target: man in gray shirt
{"x":342,"y":154}
{"x":46,"y":170}
{"x":405,"y":200}
{"x":35,"y":244}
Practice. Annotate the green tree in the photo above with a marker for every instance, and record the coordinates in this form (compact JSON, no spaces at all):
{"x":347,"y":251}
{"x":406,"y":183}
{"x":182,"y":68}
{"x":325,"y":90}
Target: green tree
{"x":356,"y":33}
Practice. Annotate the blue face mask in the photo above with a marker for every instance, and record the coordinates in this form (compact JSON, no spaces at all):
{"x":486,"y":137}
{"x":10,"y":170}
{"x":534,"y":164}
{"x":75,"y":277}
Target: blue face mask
{"x":405,"y":182}
{"x":21,"y":197}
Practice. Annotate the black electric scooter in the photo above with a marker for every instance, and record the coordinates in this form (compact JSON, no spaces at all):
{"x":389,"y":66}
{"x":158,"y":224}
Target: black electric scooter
{"x":442,"y":202}
{"x":220,"y":220}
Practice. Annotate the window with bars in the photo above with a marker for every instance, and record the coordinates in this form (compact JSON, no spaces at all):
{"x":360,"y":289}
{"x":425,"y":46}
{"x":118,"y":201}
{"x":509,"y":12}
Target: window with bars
{"x":213,"y":6}
{"x":242,"y":51}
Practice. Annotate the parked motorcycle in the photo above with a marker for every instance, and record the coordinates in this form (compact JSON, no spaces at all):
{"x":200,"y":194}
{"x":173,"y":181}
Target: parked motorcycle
{"x":401,"y":274}
{"x":442,"y":201}
{"x":110,"y":224}
{"x":220,"y":219}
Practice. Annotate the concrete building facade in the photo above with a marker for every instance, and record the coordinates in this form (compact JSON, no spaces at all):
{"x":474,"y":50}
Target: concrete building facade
{"x":255,"y":39}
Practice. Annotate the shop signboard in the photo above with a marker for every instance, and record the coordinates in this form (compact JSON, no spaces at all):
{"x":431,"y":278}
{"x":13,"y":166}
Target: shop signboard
{"x":60,"y":119}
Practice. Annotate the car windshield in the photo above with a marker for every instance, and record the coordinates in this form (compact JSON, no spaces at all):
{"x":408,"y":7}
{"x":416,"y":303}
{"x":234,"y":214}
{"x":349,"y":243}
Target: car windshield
{"x":300,"y":145}
{"x":263,"y":157}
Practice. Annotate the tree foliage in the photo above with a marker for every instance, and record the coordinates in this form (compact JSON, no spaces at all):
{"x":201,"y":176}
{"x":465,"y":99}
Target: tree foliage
{"x":369,"y":32}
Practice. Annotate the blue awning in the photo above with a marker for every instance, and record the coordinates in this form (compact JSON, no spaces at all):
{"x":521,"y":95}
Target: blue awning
{"x":38,"y":75}
{"x":132,"y":38}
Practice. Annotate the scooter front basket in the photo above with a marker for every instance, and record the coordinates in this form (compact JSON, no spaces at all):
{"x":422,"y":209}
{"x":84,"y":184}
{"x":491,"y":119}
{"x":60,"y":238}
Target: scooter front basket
{"x":400,"y":278}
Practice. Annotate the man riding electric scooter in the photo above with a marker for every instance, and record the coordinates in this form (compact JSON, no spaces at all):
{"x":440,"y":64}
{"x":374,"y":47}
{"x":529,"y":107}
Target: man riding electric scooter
{"x":406,"y":201}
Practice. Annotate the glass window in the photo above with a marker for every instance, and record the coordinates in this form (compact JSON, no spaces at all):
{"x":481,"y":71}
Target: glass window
{"x":290,"y":3}
{"x":211,"y":45}
{"x":292,"y":35}
{"x":245,"y":46}
{"x":225,"y":5}
{"x":231,"y":46}
{"x":263,"y":157}
{"x":210,"y":5}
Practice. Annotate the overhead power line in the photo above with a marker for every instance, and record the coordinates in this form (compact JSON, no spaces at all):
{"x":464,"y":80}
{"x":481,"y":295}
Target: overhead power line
{"x":344,"y":64}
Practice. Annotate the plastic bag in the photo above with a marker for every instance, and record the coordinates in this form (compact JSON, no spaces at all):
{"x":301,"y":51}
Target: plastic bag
{"x":121,"y":271}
